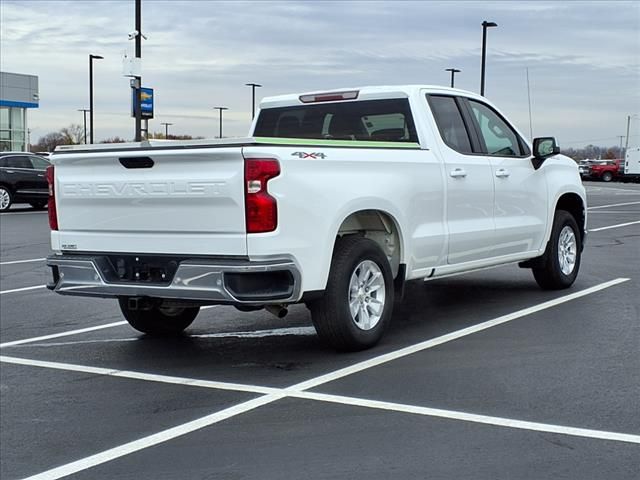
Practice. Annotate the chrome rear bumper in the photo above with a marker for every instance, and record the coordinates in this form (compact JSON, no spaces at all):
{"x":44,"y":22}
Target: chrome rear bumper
{"x":276,"y":280}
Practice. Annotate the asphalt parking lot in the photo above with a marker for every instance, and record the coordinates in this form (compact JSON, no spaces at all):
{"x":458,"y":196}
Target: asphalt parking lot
{"x":481,"y":376}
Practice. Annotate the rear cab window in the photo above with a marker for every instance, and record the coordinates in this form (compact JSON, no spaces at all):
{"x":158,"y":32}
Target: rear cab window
{"x":365,"y":120}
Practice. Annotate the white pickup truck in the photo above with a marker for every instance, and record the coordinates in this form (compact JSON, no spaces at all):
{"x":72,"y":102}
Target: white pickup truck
{"x":335,"y":200}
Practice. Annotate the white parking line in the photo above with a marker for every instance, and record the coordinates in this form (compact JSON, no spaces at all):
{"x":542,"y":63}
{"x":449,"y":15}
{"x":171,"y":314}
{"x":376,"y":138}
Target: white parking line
{"x":24,"y":289}
{"x":155,"y":439}
{"x":298,"y":390}
{"x":62,"y":334}
{"x":403,"y":352}
{"x":13,"y":262}
{"x":279,"y":393}
{"x":614,"y":226}
{"x":276,"y":332}
{"x":471,"y":417}
{"x":150,"y":377}
{"x":613,"y":205}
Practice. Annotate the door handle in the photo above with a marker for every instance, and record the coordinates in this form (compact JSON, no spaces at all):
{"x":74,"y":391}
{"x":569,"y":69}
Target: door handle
{"x":502,"y":173}
{"x":10,"y":171}
{"x":458,"y":173}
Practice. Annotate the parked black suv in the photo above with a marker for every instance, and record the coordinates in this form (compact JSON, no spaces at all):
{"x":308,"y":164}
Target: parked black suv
{"x":22,"y":179}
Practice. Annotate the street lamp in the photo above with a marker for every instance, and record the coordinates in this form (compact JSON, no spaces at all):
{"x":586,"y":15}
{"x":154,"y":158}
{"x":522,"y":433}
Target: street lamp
{"x":91,"y":59}
{"x":166,"y":129}
{"x":84,"y":110}
{"x":253,"y":97}
{"x":453,"y":72}
{"x":220,"y":109}
{"x":485,"y":25}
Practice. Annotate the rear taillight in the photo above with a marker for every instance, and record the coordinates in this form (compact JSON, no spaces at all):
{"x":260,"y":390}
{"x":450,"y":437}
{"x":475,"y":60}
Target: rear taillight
{"x":261,"y":209}
{"x":51,"y":204}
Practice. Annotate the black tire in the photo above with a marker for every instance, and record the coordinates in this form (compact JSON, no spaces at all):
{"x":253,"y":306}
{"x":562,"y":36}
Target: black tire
{"x":6,"y":198}
{"x":159,"y":320}
{"x":607,"y":176}
{"x":331,"y":313}
{"x":38,"y":205}
{"x":549,"y":271}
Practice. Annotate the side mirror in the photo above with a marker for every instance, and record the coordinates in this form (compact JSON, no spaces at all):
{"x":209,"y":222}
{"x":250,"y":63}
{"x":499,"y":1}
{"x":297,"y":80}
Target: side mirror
{"x":543,"y":148}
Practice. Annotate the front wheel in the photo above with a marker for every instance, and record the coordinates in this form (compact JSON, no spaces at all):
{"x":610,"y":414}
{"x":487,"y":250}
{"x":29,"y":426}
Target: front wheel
{"x":358,"y":302}
{"x":157,"y":319}
{"x":558,"y":267}
{"x":607,"y":176}
{"x":6,"y":199}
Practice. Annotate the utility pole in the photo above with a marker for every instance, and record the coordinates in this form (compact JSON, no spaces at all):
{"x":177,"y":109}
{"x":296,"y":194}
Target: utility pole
{"x":621,"y":137}
{"x":166,"y":129}
{"x":253,"y":97}
{"x":138,"y":80}
{"x":84,"y":123}
{"x":529,"y":97}
{"x":453,"y":73}
{"x":485,"y":25}
{"x":91,"y":59}
{"x":220,"y":109}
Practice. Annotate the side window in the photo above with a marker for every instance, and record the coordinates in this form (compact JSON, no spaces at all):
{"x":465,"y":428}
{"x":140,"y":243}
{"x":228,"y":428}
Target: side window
{"x":39,"y":163}
{"x":499,"y":138}
{"x":450,"y":124}
{"x":19,"y":161}
{"x":4,"y":162}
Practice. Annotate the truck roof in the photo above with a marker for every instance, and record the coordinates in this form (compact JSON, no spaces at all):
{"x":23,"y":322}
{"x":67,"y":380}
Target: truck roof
{"x":379,"y":92}
{"x":375,"y":92}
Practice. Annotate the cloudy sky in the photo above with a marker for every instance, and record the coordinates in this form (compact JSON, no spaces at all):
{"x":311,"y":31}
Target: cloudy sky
{"x":583,"y":58}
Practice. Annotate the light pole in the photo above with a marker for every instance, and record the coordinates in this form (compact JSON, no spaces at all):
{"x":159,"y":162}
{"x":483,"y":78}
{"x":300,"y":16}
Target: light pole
{"x":138,"y":80}
{"x":91,"y":59}
{"x":166,"y":129}
{"x":84,"y":123}
{"x":253,"y":97}
{"x":485,"y":25}
{"x":220,"y":109}
{"x":453,"y":72}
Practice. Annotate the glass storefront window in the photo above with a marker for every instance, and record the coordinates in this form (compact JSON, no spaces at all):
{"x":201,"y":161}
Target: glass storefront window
{"x":12,"y":129}
{"x":17,"y":118}
{"x":4,"y":118}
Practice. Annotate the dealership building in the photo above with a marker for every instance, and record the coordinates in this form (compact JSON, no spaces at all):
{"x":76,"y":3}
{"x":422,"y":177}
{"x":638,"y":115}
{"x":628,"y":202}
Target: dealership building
{"x":18,"y":93}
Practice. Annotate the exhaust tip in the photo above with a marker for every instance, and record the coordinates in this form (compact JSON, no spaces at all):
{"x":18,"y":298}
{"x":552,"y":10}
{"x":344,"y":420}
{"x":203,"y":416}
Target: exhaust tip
{"x":279,"y":311}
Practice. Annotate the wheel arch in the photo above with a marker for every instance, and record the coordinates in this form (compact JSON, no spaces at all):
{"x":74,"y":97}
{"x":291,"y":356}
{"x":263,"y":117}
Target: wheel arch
{"x":574,"y":204}
{"x":380,"y":226}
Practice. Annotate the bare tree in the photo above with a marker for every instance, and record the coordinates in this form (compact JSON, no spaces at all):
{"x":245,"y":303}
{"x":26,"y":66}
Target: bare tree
{"x":73,"y":134}
{"x":115,"y":139}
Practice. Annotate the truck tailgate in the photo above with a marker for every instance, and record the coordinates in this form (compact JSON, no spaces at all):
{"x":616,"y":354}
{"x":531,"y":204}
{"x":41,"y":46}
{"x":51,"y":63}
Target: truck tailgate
{"x":151,"y":201}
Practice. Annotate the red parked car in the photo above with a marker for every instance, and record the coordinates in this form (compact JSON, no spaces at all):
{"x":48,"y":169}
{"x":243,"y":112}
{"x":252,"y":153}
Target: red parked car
{"x":605,"y":170}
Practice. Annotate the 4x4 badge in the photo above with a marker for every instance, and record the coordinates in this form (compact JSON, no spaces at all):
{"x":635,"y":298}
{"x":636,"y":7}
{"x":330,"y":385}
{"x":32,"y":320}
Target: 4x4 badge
{"x":308,"y":155}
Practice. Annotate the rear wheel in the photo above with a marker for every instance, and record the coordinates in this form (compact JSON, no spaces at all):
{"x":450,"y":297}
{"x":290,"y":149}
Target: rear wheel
{"x":158,"y":319}
{"x":358,"y":302}
{"x":558,"y":267}
{"x":607,"y":176}
{"x":6,"y":198}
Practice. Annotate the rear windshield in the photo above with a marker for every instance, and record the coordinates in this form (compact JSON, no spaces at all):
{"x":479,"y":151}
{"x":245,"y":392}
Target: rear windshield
{"x":370,"y":120}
